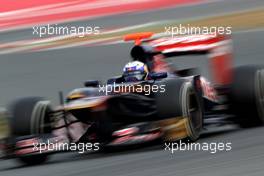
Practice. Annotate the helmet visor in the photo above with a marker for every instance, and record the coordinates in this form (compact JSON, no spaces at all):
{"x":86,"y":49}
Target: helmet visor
{"x":134,"y":76}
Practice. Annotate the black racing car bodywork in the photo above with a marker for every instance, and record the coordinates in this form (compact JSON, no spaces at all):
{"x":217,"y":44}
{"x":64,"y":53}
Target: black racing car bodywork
{"x":170,"y":105}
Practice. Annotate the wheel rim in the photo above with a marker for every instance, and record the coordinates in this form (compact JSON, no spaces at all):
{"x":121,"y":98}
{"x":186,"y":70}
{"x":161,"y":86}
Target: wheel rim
{"x":38,"y":116}
{"x":192,"y":110}
{"x":260,"y":93}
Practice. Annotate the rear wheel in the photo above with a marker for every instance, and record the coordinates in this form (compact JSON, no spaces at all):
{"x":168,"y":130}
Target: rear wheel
{"x":247,"y":95}
{"x":34,"y":159}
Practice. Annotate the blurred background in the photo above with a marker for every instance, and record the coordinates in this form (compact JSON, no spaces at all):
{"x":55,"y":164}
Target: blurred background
{"x":31,"y":64}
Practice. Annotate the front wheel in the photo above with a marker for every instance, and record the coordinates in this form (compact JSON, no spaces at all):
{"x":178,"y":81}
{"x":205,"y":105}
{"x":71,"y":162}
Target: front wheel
{"x":29,"y":117}
{"x":181,"y":106}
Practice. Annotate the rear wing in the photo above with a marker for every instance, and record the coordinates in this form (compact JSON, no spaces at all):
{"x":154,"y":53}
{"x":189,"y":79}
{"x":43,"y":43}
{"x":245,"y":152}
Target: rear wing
{"x":217,"y":47}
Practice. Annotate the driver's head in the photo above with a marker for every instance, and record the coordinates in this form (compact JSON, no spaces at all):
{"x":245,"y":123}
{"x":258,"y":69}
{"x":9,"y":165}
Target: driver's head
{"x":135,"y":71}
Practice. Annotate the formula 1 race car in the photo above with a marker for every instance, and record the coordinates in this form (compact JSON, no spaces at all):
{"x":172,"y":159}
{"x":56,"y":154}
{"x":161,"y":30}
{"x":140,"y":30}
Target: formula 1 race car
{"x":170,"y":105}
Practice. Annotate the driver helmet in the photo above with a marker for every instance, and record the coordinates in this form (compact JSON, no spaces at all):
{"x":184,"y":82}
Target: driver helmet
{"x":135,"y":71}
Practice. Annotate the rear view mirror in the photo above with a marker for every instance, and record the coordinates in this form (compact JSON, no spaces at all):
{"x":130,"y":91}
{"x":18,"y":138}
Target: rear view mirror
{"x":91,"y":83}
{"x":158,"y":75}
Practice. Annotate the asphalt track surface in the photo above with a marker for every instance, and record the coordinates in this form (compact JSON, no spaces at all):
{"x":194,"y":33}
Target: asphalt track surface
{"x":44,"y":73}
